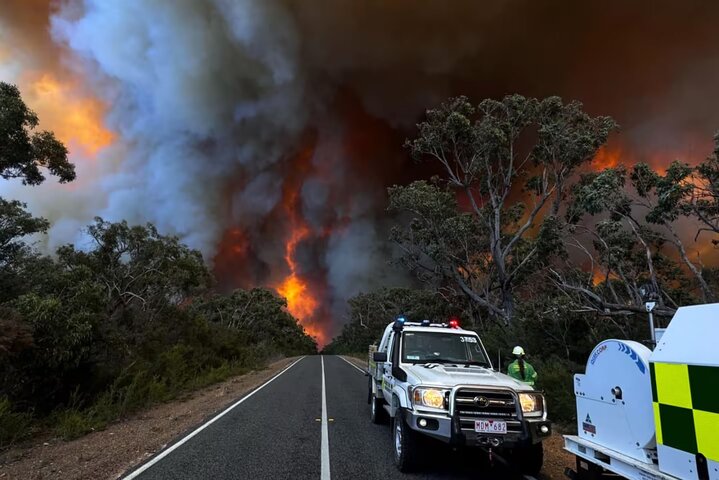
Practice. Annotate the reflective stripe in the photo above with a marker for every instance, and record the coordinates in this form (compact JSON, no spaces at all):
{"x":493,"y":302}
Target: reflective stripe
{"x":673,"y":385}
{"x":686,"y":407}
{"x":658,"y":422}
{"x":707,"y":433}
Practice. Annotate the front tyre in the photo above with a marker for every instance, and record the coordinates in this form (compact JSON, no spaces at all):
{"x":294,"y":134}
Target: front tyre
{"x":406,"y":445}
{"x":529,"y":459}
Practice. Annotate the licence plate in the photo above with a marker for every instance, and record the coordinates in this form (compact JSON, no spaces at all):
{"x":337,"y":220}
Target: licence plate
{"x":490,"y":426}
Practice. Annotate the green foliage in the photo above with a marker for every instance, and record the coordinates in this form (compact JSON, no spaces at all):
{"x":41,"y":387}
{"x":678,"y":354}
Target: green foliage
{"x":22,"y":151}
{"x":93,"y":335}
{"x":557,"y":382}
{"x":260,"y":314}
{"x":635,"y":238}
{"x":510,"y":162}
{"x":98,"y":334}
{"x":371,"y":312}
{"x":70,"y":424}
{"x":15,"y":225}
{"x":14,"y":426}
{"x":137,"y":267}
{"x":704,"y":200}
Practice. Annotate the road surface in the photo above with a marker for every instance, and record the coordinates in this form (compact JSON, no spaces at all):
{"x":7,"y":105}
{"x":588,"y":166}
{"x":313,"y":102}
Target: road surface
{"x":311,"y":421}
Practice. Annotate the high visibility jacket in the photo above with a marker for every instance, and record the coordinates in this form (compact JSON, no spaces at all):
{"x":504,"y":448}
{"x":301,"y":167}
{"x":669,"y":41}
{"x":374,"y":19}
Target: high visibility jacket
{"x":530,"y":375}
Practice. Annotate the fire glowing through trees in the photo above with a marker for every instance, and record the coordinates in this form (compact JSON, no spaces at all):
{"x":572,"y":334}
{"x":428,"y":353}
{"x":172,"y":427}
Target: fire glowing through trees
{"x":77,"y":120}
{"x":213,"y":159}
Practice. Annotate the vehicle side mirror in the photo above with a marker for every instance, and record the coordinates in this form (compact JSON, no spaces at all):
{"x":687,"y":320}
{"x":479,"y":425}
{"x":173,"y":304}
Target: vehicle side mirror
{"x":379,"y":357}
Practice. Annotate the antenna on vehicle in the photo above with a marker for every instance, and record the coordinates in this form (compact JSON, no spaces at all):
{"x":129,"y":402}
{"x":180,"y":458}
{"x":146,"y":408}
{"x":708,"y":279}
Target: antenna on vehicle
{"x":499,"y":359}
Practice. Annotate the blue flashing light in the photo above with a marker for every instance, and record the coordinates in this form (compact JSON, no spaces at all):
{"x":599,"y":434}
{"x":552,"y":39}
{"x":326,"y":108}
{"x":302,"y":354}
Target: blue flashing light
{"x":401,"y":319}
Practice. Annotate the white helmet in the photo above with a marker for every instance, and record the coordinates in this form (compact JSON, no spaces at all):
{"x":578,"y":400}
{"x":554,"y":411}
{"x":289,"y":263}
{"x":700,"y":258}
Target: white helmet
{"x":518,"y":350}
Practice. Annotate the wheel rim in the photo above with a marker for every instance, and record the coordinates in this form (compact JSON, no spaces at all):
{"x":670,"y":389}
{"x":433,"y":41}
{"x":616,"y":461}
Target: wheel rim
{"x":398,"y":438}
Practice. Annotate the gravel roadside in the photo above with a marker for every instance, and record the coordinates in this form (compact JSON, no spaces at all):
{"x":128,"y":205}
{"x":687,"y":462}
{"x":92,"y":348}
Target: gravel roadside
{"x":111,"y":452}
{"x":556,"y":459}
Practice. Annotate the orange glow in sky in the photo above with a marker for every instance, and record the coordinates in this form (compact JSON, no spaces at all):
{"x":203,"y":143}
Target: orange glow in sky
{"x":76,"y":120}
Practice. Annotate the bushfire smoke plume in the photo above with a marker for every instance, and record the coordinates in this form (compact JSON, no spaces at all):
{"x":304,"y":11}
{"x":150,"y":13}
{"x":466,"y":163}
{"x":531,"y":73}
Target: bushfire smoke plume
{"x":263,"y":132}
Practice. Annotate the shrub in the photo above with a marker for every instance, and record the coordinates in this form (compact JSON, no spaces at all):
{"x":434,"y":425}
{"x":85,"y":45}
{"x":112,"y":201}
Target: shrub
{"x":14,"y":426}
{"x":556,"y":378}
{"x":72,"y":423}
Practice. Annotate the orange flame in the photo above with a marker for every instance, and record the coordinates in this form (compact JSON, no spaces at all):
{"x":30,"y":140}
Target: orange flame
{"x":302,"y":302}
{"x":607,"y":157}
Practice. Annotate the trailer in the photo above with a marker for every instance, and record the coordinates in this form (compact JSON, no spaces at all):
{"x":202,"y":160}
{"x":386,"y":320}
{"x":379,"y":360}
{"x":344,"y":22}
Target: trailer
{"x":644,"y":414}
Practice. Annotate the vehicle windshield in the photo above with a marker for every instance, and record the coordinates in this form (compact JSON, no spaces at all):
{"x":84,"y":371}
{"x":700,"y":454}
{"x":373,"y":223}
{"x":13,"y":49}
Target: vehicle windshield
{"x":437,"y":347}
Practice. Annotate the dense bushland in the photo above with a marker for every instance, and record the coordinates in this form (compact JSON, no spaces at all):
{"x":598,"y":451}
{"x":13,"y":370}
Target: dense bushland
{"x":89,"y":336}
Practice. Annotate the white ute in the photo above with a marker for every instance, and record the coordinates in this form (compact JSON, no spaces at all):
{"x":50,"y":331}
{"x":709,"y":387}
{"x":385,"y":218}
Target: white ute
{"x":436,"y":380}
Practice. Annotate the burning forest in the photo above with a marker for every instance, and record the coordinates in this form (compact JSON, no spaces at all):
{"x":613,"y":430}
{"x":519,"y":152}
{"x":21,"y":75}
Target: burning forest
{"x":265,"y":133}
{"x":198,"y":195}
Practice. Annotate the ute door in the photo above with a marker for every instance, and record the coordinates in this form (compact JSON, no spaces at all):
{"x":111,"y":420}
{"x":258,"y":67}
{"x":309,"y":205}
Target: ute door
{"x":387,"y":379}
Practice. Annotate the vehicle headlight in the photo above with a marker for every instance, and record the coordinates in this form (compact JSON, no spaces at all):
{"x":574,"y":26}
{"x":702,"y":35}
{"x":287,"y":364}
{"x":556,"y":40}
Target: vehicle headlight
{"x":532,"y":404}
{"x":429,"y":397}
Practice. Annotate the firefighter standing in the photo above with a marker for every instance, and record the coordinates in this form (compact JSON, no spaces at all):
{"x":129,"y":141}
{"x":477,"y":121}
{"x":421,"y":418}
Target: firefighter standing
{"x":521,"y":369}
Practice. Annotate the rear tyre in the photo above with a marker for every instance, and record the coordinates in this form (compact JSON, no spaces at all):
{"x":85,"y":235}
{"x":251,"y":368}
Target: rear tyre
{"x":406,"y":444}
{"x":377,"y":413}
{"x":376,"y":407}
{"x":529,"y":459}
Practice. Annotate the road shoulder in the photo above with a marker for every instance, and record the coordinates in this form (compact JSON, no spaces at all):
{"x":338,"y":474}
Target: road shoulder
{"x":126,"y":443}
{"x":358,"y":362}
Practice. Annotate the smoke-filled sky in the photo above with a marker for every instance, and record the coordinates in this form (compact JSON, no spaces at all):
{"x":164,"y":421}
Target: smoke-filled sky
{"x":264,"y":132}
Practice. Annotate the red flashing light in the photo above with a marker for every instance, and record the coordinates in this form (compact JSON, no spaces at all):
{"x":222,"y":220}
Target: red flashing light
{"x":454,"y":323}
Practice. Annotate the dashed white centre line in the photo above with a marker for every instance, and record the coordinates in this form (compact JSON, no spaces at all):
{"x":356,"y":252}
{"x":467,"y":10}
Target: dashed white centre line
{"x":325,"y":445}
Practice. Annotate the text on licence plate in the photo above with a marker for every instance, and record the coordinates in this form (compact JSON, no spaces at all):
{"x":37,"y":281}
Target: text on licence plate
{"x":490,"y":426}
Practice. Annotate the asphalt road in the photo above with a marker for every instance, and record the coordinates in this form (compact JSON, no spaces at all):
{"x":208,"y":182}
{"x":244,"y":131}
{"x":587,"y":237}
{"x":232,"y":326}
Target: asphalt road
{"x":278,"y":432}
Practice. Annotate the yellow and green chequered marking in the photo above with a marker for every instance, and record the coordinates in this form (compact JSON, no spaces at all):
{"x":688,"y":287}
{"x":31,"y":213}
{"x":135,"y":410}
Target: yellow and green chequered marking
{"x":686,"y":407}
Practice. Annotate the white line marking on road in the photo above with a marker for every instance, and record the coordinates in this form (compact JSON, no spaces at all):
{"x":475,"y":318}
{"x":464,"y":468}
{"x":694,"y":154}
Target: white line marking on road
{"x":325,"y":449}
{"x":352,"y":364}
{"x":166,"y":452}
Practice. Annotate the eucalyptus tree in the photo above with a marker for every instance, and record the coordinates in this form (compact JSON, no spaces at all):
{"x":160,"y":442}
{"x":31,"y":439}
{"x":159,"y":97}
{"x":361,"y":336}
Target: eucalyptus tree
{"x":492,"y":218}
{"x":635,"y":230}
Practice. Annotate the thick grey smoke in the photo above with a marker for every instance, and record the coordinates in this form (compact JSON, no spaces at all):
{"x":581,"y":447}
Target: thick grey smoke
{"x":200,"y":91}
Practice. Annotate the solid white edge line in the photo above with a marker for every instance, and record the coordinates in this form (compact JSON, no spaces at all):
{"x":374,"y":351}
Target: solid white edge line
{"x":352,"y":364}
{"x":325,"y":444}
{"x":170,"y":449}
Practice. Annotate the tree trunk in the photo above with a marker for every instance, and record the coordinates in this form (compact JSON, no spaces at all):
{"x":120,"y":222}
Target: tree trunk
{"x":508,"y":305}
